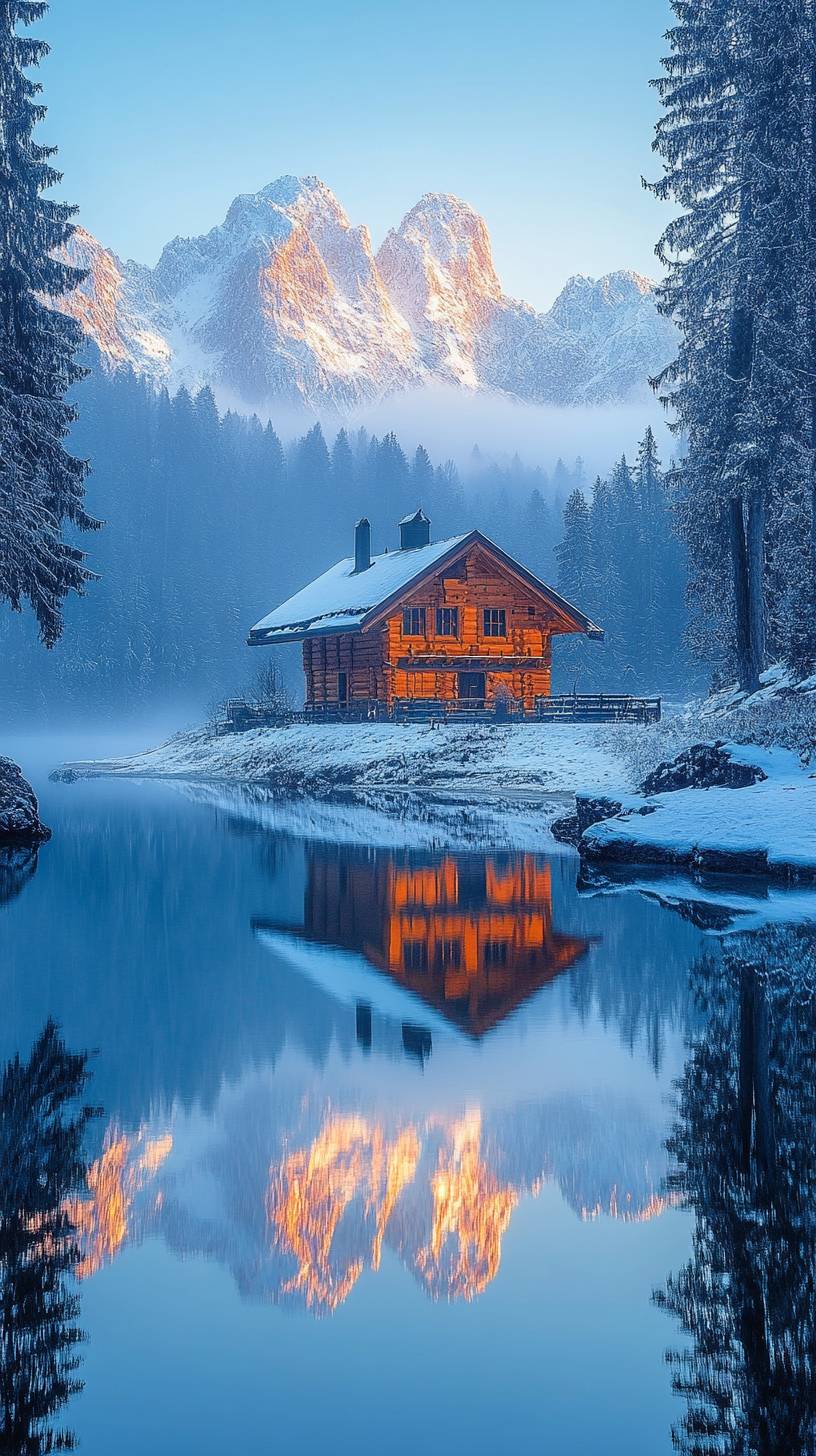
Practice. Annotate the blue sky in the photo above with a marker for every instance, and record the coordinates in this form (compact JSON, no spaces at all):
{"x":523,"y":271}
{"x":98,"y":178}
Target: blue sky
{"x":540,"y":115}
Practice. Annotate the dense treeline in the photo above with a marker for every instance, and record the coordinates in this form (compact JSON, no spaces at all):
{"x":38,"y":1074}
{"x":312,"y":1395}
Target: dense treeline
{"x":738,"y":141}
{"x":210,"y":520}
{"x":621,"y":561}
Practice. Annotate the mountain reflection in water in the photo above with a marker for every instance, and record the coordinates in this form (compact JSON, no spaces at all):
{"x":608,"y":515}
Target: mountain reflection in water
{"x":302,"y":1223}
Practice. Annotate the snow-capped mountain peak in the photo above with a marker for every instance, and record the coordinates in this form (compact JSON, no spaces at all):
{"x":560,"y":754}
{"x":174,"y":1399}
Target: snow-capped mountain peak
{"x":285,"y":299}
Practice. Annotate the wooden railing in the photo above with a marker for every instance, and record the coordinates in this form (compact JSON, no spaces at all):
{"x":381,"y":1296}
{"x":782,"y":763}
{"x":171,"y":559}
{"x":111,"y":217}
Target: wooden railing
{"x":598,"y":708}
{"x":356,"y":710}
{"x":238,"y":716}
{"x":471,"y":710}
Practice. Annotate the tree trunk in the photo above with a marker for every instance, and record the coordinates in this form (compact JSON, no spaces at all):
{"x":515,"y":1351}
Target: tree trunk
{"x":746,"y":664}
{"x":755,"y":525}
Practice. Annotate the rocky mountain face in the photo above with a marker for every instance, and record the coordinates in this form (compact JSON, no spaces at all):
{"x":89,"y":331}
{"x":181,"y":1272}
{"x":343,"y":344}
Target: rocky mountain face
{"x":285,"y":301}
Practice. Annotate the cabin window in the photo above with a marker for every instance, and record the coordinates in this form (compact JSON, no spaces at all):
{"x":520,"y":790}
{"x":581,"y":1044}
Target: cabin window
{"x":447,"y":621}
{"x":413,"y":621}
{"x":495,"y":953}
{"x":449,"y":954}
{"x":494,"y":621}
{"x":415,"y":955}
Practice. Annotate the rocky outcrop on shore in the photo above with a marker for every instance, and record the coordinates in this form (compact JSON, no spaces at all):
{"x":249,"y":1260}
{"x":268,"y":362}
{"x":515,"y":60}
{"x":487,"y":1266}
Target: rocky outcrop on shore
{"x":20,"y":822}
{"x":722,"y":807}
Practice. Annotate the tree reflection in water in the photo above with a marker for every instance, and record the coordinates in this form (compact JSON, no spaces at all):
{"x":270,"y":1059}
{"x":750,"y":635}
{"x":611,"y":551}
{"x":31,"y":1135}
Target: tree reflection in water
{"x":41,"y":1169}
{"x":745,"y":1160}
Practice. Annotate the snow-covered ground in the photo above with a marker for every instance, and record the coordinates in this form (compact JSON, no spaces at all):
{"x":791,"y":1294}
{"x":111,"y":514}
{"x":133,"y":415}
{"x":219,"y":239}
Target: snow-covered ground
{"x":768,"y":826}
{"x":480,"y":758}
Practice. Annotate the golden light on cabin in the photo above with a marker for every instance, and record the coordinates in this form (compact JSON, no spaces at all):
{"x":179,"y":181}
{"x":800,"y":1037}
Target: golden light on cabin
{"x":127,"y":1162}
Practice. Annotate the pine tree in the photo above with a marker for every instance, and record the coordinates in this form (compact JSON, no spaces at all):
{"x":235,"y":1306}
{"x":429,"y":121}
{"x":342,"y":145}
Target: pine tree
{"x":654,"y":531}
{"x":393,"y":477}
{"x":41,"y":484}
{"x":574,"y":558}
{"x":422,"y":474}
{"x":737,"y":139}
{"x":605,"y":590}
{"x":536,"y":531}
{"x":342,"y":470}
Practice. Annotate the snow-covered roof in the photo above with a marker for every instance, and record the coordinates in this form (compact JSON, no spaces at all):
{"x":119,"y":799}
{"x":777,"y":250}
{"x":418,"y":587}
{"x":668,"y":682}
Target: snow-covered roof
{"x":338,"y":600}
{"x":342,"y":599}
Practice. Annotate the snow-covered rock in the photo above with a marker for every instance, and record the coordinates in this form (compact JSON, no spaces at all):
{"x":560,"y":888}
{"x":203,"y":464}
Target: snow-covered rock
{"x":285,"y":301}
{"x":19,"y":812}
{"x":763,"y":823}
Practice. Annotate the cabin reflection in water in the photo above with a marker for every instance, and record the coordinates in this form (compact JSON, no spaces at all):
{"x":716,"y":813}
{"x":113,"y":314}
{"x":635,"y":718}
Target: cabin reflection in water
{"x":471,"y":935}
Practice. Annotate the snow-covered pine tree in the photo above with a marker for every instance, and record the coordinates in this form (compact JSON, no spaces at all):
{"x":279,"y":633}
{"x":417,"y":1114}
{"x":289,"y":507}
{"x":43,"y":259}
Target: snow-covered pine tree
{"x":41,"y":484}
{"x":605,"y":600}
{"x":654,"y":532}
{"x":422,"y":475}
{"x":536,"y":531}
{"x":737,"y":141}
{"x":573,"y":555}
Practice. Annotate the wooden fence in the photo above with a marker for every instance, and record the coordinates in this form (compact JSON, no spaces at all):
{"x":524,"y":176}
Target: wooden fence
{"x":238,"y":716}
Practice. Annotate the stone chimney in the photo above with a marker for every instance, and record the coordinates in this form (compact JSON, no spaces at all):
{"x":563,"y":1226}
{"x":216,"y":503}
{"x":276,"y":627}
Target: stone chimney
{"x":362,"y":545}
{"x":415,"y":531}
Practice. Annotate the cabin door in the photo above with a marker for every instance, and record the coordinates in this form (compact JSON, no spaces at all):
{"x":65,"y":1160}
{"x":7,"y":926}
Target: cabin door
{"x":342,"y":688}
{"x":472,"y":685}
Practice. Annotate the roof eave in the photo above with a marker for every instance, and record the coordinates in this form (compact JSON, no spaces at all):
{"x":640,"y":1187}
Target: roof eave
{"x":280,"y":636}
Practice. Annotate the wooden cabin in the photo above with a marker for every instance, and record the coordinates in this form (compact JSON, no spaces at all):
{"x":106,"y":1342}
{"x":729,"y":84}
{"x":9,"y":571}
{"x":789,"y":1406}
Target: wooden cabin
{"x":450,"y":622}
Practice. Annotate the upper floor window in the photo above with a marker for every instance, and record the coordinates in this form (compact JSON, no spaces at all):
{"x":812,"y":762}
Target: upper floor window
{"x":494,"y":621}
{"x":448,"y":954}
{"x":447,"y":621}
{"x":415,"y":955}
{"x":413,"y":621}
{"x":496,"y":953}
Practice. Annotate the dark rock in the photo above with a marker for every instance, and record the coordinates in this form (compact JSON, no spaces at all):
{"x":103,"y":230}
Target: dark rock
{"x":566,"y":829}
{"x":632,"y":852}
{"x":591,"y":809}
{"x":63,"y":776}
{"x":730,"y":861}
{"x":703,"y":766}
{"x":19,"y":812}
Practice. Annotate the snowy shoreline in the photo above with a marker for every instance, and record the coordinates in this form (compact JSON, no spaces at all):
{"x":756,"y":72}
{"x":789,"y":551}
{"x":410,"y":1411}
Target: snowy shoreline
{"x":764,"y":828}
{"x":476,"y":761}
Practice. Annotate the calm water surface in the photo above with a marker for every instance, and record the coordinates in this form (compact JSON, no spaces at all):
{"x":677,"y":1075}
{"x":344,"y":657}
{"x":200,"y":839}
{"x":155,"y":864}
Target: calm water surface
{"x":382,"y":1161}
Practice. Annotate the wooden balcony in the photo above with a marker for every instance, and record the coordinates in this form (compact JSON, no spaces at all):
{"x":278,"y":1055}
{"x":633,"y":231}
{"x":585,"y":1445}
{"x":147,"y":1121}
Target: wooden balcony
{"x":471,"y":662}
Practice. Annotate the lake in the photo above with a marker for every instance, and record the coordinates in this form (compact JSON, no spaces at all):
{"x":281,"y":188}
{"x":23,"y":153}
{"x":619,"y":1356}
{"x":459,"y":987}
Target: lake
{"x":381,"y":1161}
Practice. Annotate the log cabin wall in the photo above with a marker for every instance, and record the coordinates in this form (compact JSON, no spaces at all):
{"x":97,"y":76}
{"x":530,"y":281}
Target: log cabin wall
{"x":358,"y":655}
{"x":475,"y":584}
